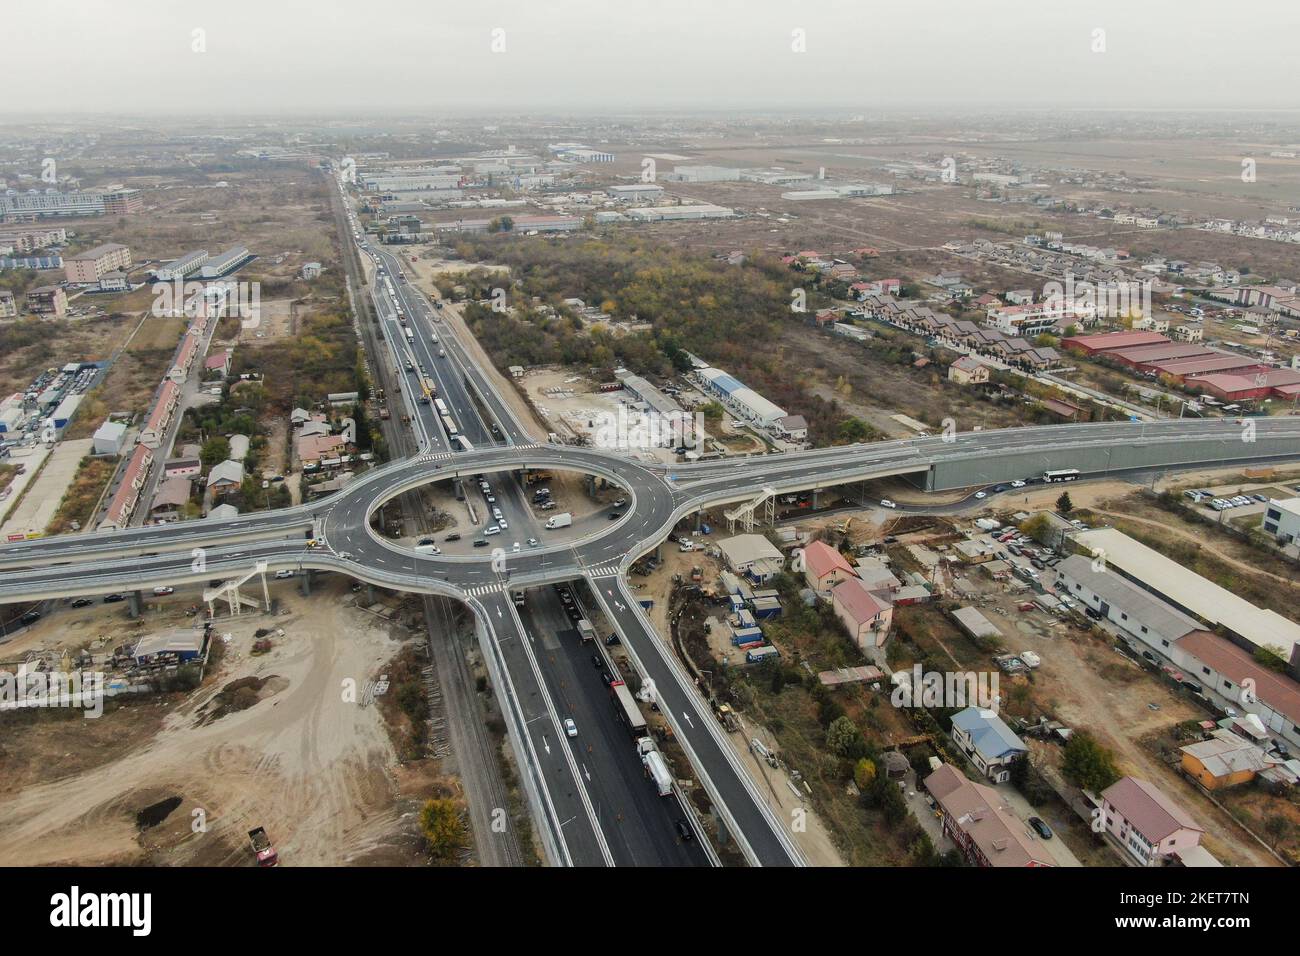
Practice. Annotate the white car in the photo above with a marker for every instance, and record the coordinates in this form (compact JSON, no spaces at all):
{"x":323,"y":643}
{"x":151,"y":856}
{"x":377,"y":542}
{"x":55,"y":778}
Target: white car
{"x":570,"y":727}
{"x":284,"y":573}
{"x":981,"y":494}
{"x":1017,"y":483}
{"x":737,"y":423}
{"x":886,"y":503}
{"x":163,"y":589}
{"x":491,"y":530}
{"x":532,"y":542}
{"x":516,"y":547}
{"x":504,"y":524}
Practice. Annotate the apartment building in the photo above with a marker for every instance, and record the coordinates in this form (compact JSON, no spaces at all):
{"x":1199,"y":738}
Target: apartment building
{"x":87,"y":268}
{"x":48,"y":300}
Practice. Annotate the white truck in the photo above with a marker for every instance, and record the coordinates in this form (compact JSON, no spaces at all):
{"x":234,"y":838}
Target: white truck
{"x":655,"y":766}
{"x":562,"y":520}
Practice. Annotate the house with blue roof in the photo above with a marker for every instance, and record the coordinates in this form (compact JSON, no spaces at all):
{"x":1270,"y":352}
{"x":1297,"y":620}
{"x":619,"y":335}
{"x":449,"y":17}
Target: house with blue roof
{"x":989,"y":743}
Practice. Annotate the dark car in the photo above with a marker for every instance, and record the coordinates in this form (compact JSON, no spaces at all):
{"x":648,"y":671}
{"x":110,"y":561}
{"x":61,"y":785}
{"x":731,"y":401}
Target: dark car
{"x":480,"y":542}
{"x":611,"y":640}
{"x":597,"y":661}
{"x":82,"y":602}
{"x":454,"y":536}
{"x":684,"y":830}
{"x":999,"y":489}
{"x":1041,"y":828}
{"x":424,"y":541}
{"x":615,"y":515}
{"x":31,"y":617}
{"x":1093,"y":613}
{"x":113,"y":598}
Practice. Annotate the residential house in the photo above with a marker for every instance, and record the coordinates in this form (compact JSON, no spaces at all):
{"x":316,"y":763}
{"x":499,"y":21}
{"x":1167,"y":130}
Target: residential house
{"x":824,"y":567}
{"x":218,"y":365}
{"x":968,"y":371}
{"x":172,"y":497}
{"x":981,"y":823}
{"x":128,"y":490}
{"x":1146,"y":823}
{"x":1225,"y":760}
{"x":314,"y":449}
{"x":989,"y":743}
{"x":225,"y":477}
{"x":866,"y":615}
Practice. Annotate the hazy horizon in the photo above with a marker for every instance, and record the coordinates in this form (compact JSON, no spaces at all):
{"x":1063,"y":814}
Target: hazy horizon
{"x":402,"y":57}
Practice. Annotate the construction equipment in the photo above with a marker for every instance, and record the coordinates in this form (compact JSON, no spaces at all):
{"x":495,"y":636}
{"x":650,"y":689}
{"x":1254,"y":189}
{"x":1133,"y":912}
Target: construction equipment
{"x":262,"y":848}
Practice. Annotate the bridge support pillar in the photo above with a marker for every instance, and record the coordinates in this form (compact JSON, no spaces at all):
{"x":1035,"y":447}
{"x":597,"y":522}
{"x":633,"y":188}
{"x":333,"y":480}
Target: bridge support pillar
{"x":133,"y":603}
{"x":724,"y":835}
{"x":370,"y":593}
{"x":304,"y":582}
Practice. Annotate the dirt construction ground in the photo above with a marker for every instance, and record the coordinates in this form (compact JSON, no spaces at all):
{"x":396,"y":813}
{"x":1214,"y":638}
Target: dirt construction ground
{"x":319,"y":772}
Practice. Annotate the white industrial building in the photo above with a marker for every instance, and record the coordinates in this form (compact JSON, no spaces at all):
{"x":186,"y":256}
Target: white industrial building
{"x":182,"y":267}
{"x":109,"y":438}
{"x":1192,"y":594}
{"x":1206,"y":663}
{"x":221,"y":264}
{"x":664,"y":213}
{"x":635,"y":192}
{"x":773,"y":177}
{"x":703,"y":174}
{"x":841,"y":191}
{"x":740,"y":400}
{"x":752,"y":555}
{"x":1282,"y":519}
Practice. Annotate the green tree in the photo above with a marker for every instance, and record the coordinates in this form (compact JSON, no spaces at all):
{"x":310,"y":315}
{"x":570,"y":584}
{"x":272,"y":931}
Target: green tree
{"x":1039,"y":527}
{"x":1270,"y":657}
{"x":712,"y":411}
{"x":443,"y":828}
{"x":853,"y":430}
{"x":864,"y":774}
{"x":1088,"y":764}
{"x":214,"y":450}
{"x":1063,"y":504}
{"x":844,"y":739}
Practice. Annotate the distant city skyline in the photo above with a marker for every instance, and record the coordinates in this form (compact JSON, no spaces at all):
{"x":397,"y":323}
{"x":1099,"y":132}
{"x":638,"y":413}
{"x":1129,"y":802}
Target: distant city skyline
{"x":593,"y":56}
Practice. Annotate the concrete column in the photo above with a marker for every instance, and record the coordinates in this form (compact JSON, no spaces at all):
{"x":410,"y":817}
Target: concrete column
{"x":304,"y":582}
{"x":724,"y":836}
{"x":370,"y":593}
{"x":133,"y":603}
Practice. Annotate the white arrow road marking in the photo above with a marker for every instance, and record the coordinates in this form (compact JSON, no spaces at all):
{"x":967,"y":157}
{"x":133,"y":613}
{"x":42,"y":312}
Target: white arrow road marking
{"x":688,"y":719}
{"x":546,"y":744}
{"x":586,"y":773}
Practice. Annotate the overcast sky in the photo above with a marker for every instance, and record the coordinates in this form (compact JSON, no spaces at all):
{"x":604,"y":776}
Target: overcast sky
{"x":434,"y":56}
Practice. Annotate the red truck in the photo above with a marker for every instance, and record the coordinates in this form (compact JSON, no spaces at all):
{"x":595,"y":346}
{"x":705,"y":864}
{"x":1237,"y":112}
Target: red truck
{"x":261,"y":843}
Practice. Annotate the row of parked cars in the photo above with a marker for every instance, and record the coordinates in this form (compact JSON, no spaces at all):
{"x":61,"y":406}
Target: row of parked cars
{"x":1210,"y":500}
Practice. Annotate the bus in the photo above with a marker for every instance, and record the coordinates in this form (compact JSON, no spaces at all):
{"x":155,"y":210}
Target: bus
{"x":1065,"y":474}
{"x":626,"y":709}
{"x":410,"y":336}
{"x":442,"y":407}
{"x":448,"y":424}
